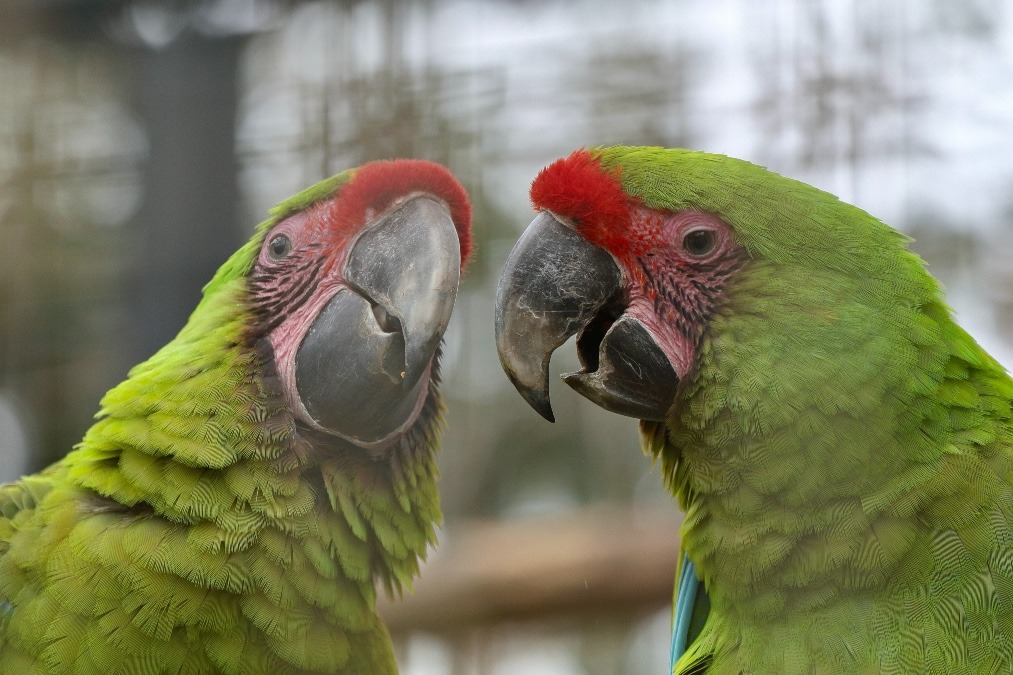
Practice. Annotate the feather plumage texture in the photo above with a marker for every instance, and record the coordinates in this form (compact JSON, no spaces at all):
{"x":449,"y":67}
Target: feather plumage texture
{"x":842,"y":449}
{"x":193,"y":530}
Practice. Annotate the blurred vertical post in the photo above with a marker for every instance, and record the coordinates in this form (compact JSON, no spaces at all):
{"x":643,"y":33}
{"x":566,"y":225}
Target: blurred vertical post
{"x":188,"y":224}
{"x":176,"y":67}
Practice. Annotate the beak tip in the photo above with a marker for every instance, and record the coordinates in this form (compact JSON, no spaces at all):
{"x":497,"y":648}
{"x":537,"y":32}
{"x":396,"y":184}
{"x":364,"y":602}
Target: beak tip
{"x":546,"y":412}
{"x":578,"y":382}
{"x":542,"y":407}
{"x":536,"y":396}
{"x":418,"y":357}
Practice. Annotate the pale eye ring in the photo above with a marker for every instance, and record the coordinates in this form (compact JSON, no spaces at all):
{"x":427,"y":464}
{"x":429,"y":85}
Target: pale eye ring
{"x":700,"y":242}
{"x":279,"y":247}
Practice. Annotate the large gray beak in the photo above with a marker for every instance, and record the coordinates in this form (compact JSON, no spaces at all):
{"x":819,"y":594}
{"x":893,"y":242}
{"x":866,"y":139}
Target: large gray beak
{"x":556,"y":284}
{"x":360,"y":367}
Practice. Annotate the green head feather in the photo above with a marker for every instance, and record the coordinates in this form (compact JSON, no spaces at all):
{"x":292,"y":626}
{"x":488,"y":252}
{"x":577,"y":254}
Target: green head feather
{"x":775,"y":218}
{"x":238,"y":265}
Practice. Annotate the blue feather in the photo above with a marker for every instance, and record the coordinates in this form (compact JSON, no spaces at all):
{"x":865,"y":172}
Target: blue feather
{"x":684,"y":603}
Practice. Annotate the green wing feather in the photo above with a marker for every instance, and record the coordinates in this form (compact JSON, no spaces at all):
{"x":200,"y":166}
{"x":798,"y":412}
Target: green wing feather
{"x":192,"y":532}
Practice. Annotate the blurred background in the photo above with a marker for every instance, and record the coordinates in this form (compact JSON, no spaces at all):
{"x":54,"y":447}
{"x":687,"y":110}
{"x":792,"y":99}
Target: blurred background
{"x":141,"y":140}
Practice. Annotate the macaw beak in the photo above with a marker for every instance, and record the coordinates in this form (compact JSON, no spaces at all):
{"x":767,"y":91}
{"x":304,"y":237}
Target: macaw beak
{"x":362,"y":367}
{"x":556,"y":284}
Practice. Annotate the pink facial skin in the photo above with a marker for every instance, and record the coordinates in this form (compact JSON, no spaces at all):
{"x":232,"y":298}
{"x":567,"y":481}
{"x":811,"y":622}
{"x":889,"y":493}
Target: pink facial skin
{"x":672,"y":288}
{"x":305,"y":281}
{"x":292,"y":280}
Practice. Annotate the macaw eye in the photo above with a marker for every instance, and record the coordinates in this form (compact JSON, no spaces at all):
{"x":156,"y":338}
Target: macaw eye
{"x":699,"y":242}
{"x":279,"y":247}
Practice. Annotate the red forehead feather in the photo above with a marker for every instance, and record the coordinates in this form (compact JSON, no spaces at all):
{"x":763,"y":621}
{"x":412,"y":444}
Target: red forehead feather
{"x":377,"y":184}
{"x":579,"y":188}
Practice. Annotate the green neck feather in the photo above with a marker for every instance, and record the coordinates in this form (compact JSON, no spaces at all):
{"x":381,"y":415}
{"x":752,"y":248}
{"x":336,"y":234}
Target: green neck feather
{"x":833,"y":396}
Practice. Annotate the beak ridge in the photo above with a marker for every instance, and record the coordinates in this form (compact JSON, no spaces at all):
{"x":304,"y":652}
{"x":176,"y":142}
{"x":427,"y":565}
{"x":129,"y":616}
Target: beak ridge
{"x":360,"y":366}
{"x":409,"y":265}
{"x":553,"y":283}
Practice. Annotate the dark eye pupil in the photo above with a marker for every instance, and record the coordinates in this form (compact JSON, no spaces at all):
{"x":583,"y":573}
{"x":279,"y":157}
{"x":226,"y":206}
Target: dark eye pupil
{"x":699,"y":242}
{"x":280,"y":247}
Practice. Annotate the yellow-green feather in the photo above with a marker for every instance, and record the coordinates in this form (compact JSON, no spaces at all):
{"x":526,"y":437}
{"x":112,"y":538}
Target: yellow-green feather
{"x":843,"y":450}
{"x":193,"y":531}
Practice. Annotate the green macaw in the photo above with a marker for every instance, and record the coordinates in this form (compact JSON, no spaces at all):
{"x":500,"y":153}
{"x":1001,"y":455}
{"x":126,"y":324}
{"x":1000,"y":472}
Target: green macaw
{"x":244,"y":488}
{"x":842,"y":449}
